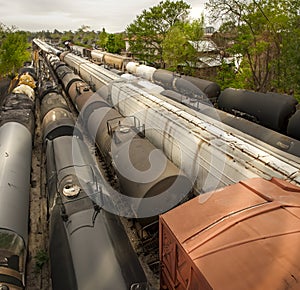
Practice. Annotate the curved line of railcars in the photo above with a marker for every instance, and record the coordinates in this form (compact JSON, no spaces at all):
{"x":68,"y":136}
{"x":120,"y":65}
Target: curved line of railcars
{"x":89,"y":248}
{"x":110,"y":60}
{"x":270,"y":110}
{"x":268,"y":136}
{"x":241,"y":155}
{"x":122,"y":143}
{"x":17,"y":125}
{"x":283,"y":105}
{"x":45,"y":47}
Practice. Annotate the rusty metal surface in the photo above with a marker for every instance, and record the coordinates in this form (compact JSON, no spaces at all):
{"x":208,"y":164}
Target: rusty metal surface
{"x":214,"y":151}
{"x":244,"y":236}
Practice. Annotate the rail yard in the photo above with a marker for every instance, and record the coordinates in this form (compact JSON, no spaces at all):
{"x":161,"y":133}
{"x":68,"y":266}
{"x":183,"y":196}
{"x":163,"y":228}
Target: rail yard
{"x":117,"y":175}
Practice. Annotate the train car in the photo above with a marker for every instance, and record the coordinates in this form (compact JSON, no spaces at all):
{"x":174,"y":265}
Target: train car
{"x":110,"y":60}
{"x":168,"y":80}
{"x":268,"y":109}
{"x":244,"y":236}
{"x":142,"y":170}
{"x":76,"y":49}
{"x":194,"y":135}
{"x":88,"y":246}
{"x":45,"y":47}
{"x":211,"y":89}
{"x":241,"y":140}
{"x":89,"y":71}
{"x":16,"y":130}
{"x":116,"y":61}
{"x":293,"y":126}
{"x":97,"y":56}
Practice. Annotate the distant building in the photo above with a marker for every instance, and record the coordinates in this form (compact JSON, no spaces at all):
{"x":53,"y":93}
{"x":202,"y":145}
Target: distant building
{"x":209,"y":30}
{"x":210,"y":58}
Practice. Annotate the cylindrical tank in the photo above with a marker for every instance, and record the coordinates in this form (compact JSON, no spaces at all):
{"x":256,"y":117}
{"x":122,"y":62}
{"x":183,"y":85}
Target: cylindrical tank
{"x":188,"y":89}
{"x":80,"y":93}
{"x":15,"y":168}
{"x":163,"y":78}
{"x":145,"y":72}
{"x":131,"y":67}
{"x":270,"y":110}
{"x":211,"y":89}
{"x":76,"y":222}
{"x":97,"y":56}
{"x":51,"y":101}
{"x":293,"y":128}
{"x":112,"y":60}
{"x":66,"y":76}
{"x":18,"y":108}
{"x":58,"y":122}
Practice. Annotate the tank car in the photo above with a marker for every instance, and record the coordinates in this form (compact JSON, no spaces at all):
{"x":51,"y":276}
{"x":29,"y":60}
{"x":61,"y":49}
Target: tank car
{"x":116,"y":61}
{"x":294,"y":125}
{"x":132,"y":98}
{"x":110,"y":60}
{"x":195,"y":133}
{"x":45,"y":47}
{"x":121,"y":142}
{"x":97,"y":56}
{"x":16,"y":130}
{"x":88,"y":246}
{"x":76,"y":49}
{"x":211,"y":89}
{"x":89,"y":71}
{"x":268,"y":109}
{"x":167,"y":80}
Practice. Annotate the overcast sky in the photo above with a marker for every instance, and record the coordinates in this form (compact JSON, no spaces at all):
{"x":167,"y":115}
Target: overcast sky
{"x":113,"y":15}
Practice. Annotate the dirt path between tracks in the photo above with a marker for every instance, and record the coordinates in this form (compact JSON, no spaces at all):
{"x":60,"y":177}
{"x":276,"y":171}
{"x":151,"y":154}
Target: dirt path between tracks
{"x":37,"y":271}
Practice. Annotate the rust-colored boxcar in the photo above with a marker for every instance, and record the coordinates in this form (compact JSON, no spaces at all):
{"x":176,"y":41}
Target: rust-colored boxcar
{"x":244,"y":236}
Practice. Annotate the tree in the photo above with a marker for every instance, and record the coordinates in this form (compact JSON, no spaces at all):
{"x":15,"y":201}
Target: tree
{"x":261,"y":28}
{"x":115,"y":43}
{"x":13,"y":52}
{"x":148,"y":31}
{"x":176,"y":47}
{"x":289,"y":61}
{"x":103,"y":38}
{"x":67,"y":36}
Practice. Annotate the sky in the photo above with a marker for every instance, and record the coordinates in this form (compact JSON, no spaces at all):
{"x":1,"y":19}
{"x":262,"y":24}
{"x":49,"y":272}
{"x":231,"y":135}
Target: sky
{"x":64,"y":15}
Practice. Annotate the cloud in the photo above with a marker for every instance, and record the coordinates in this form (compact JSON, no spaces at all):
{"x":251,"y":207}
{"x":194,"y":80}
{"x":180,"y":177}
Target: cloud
{"x":65,"y":15}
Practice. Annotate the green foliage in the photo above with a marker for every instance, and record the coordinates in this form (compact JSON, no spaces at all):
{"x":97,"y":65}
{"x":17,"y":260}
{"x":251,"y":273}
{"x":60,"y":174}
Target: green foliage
{"x":67,"y":36}
{"x":102,"y":40}
{"x":176,"y":48}
{"x":148,"y":31}
{"x":115,"y":43}
{"x":13,"y":52}
{"x":266,"y":33}
{"x":229,"y":77}
{"x":41,"y":259}
{"x":84,"y":37}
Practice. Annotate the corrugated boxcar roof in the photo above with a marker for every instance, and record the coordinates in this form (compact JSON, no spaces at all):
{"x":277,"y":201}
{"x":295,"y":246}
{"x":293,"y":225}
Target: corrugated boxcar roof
{"x":244,"y":236}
